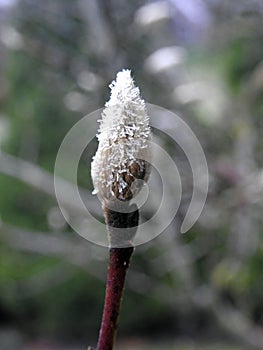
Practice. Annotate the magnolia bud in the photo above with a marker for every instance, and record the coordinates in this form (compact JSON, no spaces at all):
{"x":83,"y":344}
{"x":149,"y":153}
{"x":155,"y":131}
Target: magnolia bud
{"x":123,"y":155}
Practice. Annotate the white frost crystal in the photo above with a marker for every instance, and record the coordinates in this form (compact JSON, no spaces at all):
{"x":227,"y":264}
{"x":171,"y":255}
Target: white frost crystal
{"x":124,"y":149}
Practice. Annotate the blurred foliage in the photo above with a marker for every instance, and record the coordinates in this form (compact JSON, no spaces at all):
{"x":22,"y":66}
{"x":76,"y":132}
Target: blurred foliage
{"x":58,"y":58}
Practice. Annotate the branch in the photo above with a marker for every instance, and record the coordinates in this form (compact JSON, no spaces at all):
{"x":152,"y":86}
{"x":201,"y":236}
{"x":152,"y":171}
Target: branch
{"x":43,"y":181}
{"x":56,"y":245}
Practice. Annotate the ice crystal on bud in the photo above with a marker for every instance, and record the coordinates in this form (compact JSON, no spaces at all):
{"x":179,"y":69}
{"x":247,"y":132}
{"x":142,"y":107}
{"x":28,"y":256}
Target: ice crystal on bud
{"x":123,"y":153}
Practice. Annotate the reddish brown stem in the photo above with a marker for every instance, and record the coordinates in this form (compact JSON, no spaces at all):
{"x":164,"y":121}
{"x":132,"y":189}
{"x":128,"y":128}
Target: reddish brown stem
{"x":121,"y":229}
{"x":119,"y":262}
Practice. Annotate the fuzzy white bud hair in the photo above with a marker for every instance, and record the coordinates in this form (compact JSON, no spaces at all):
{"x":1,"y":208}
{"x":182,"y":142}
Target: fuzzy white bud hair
{"x":124,"y":136}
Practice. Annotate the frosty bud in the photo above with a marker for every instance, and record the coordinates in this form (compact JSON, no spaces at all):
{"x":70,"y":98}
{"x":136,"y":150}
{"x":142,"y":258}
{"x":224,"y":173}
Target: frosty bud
{"x":123,"y":154}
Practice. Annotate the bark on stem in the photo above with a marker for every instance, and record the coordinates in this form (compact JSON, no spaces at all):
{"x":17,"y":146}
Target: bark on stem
{"x":118,"y":265}
{"x":119,"y":262}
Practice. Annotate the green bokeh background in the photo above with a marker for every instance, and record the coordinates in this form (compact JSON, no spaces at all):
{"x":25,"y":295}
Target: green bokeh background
{"x":201,"y":290}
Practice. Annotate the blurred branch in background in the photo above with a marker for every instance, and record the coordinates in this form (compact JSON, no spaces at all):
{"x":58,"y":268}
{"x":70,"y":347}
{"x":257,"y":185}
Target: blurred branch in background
{"x":43,"y":181}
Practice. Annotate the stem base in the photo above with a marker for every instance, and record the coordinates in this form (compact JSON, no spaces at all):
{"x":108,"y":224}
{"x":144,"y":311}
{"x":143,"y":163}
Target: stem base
{"x":119,"y":262}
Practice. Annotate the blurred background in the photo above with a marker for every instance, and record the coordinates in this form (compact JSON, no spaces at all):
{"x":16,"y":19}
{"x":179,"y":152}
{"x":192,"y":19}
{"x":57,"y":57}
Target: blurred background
{"x":202,"y":59}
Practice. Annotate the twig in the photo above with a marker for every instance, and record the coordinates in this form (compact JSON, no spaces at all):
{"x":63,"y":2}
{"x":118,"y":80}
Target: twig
{"x":118,"y":265}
